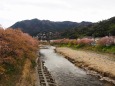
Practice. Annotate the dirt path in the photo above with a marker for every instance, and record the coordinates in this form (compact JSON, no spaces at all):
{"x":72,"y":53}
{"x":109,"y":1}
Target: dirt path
{"x":101,"y":63}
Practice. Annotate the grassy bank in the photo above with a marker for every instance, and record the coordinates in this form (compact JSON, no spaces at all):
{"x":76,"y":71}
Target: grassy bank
{"x":92,"y":61}
{"x":17,"y":56}
{"x":97,"y":48}
{"x":28,"y":76}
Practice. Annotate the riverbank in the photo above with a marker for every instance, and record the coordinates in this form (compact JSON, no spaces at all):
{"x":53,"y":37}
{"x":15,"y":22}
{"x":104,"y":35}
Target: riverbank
{"x":90,"y":60}
{"x":17,"y":58}
{"x":29,"y":75}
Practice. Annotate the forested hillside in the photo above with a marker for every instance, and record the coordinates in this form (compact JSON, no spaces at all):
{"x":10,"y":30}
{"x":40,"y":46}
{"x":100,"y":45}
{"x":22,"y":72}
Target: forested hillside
{"x":68,"y":29}
{"x":35,"y":26}
{"x":99,"y":29}
{"x":16,"y":48}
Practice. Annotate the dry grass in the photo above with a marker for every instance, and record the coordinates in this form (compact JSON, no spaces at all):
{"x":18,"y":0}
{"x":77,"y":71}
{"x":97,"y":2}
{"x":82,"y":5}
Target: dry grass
{"x":98,"y":62}
{"x":28,"y":75}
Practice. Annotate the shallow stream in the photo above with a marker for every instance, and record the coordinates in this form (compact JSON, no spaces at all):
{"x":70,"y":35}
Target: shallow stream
{"x":65,"y":73}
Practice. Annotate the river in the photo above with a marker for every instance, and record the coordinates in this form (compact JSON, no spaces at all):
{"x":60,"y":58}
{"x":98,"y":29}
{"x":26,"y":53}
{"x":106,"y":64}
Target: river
{"x":65,"y":73}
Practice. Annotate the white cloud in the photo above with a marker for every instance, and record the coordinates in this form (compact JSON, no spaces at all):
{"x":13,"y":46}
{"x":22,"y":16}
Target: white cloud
{"x":12,"y":11}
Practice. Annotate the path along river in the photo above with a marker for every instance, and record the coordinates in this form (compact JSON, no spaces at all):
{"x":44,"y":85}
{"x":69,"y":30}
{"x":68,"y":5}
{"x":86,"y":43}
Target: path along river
{"x":65,"y":73}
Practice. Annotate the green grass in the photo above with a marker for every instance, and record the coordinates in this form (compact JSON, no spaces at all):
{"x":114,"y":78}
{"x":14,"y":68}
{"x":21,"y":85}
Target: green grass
{"x":97,"y":48}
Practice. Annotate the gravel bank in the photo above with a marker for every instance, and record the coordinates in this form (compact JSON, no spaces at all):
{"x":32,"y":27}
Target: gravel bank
{"x":102,"y":64}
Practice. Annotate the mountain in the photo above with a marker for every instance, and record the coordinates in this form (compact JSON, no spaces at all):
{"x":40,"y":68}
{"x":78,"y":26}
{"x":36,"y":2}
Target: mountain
{"x":35,"y":26}
{"x":99,"y":29}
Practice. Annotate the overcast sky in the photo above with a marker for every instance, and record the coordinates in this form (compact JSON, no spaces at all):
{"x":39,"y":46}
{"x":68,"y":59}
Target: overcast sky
{"x":12,"y":11}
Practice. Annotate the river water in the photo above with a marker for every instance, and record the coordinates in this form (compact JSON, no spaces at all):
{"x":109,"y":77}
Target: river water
{"x":65,"y":73}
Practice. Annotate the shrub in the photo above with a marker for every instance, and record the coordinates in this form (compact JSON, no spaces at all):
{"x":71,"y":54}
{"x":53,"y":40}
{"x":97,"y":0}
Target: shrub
{"x":15,"y":47}
{"x":106,"y":41}
{"x":85,"y":41}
